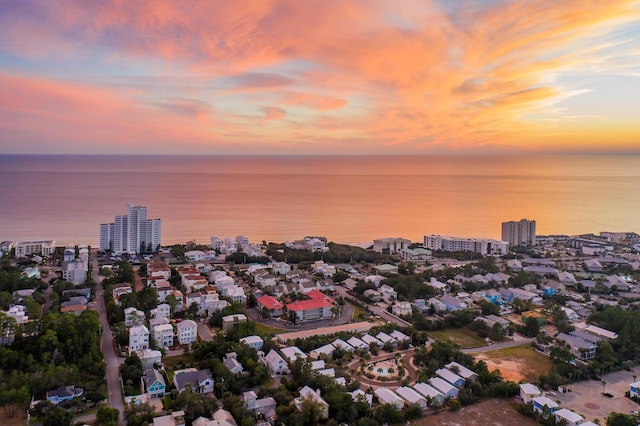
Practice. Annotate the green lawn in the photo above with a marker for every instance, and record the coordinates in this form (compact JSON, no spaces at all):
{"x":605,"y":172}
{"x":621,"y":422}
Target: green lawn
{"x":358,"y":313}
{"x":263,"y":330}
{"x":460,"y":336}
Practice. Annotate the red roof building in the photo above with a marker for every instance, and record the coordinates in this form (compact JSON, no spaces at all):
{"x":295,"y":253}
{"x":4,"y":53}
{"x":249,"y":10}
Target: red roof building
{"x":270,"y":305}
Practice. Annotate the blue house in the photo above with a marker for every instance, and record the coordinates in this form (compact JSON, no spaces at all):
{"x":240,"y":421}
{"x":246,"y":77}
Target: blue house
{"x":452,"y":303}
{"x":507,"y":294}
{"x":65,"y":393}
{"x":153,"y":383}
{"x":493,"y":296}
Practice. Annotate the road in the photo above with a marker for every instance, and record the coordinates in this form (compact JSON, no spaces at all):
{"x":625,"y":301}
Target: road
{"x":377,"y":310}
{"x":113,"y":375}
{"x":498,"y":346}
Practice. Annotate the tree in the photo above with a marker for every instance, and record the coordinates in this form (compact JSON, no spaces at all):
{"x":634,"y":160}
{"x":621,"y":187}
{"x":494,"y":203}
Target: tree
{"x":531,"y":327}
{"x":107,"y":416}
{"x":57,"y":417}
{"x":620,"y":419}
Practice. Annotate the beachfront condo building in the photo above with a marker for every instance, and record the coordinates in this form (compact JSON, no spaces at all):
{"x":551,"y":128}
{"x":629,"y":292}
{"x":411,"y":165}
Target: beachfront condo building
{"x":519,"y":233}
{"x":131,"y":233}
{"x":484,"y":246}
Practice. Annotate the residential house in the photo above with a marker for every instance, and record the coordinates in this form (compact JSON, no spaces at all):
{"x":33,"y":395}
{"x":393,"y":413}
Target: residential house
{"x":388,"y":293}
{"x":444,"y":387}
{"x":341,"y":344}
{"x":385,"y":338}
{"x":373,"y":295}
{"x":138,"y":338}
{"x":235,"y":294}
{"x":570,"y":418}
{"x":429,"y":392}
{"x":149,"y":358}
{"x":163,"y":310}
{"x":119,"y":290}
{"x":528,"y":392}
{"x":462,"y":371}
{"x":187,"y":332}
{"x":402,"y":309}
{"x":452,"y":303}
{"x":308,"y":394}
{"x":231,"y":362}
{"x":400,"y":336}
{"x":491,"y":319}
{"x":229,"y":322}
{"x":375,"y":279}
{"x":359,"y":395}
{"x":153,"y":383}
{"x":255,"y":342}
{"x":163,"y":335}
{"x":412,"y":397}
{"x":280,"y":268}
{"x":543,"y":406}
{"x":450,"y":377}
{"x":65,"y":393}
{"x":276,"y":364}
{"x":387,"y":396}
{"x":265,"y":406}
{"x":581,"y":348}
{"x":357,"y":343}
{"x":326,"y":350}
{"x":369,"y":339}
{"x":292,"y":353}
{"x":200,"y":381}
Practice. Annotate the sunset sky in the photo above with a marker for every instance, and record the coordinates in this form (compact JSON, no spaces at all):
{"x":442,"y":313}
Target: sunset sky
{"x":319,"y":76}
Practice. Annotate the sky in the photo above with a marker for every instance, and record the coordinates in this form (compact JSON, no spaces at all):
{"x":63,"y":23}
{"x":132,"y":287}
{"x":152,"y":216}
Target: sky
{"x":319,"y":77}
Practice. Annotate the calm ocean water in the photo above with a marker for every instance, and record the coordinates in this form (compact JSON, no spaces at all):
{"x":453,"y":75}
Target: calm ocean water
{"x":346,"y":199}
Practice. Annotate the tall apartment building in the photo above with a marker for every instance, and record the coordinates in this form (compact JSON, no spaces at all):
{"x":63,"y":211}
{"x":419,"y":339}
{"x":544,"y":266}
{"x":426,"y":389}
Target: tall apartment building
{"x":131,"y":233}
{"x":519,"y":233}
{"x":484,"y":246}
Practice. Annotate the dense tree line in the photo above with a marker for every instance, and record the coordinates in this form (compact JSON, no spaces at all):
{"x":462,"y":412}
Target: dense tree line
{"x":66,"y":351}
{"x":337,"y":253}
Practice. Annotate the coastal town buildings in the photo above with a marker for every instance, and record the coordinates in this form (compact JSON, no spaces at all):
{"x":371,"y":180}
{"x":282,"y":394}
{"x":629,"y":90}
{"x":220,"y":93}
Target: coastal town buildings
{"x":483,"y":246}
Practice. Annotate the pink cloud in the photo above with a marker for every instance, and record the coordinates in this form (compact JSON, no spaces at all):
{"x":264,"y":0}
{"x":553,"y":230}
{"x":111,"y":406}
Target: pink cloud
{"x":272,"y":113}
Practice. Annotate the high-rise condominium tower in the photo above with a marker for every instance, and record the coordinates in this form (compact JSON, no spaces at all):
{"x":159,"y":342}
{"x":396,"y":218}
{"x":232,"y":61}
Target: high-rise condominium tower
{"x":519,"y":233}
{"x":131,"y":233}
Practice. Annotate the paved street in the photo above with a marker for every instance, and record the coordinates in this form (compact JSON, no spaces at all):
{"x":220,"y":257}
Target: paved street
{"x":112,"y":361}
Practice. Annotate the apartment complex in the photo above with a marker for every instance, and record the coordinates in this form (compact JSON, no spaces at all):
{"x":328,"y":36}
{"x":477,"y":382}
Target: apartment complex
{"x":43,"y":248}
{"x":131,"y":233}
{"x":484,"y":246}
{"x":519,"y":233}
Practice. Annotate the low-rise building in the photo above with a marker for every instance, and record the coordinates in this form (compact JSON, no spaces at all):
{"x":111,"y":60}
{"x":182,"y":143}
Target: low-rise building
{"x":187,"y":332}
{"x":138,"y":338}
{"x":200,"y":381}
{"x":528,"y":392}
{"x":387,"y":396}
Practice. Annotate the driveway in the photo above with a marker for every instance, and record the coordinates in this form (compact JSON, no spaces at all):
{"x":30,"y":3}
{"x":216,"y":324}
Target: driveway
{"x":586,"y":399}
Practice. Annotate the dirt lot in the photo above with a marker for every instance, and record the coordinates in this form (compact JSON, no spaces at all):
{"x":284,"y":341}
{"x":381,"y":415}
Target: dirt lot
{"x":498,"y":412}
{"x":17,"y":419}
{"x":587,"y":400}
{"x":517,"y":364}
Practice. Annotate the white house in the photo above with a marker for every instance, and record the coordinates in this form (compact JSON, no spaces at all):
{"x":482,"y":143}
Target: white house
{"x":200,"y":381}
{"x":462,"y":371}
{"x":444,"y":387}
{"x":255,"y":342}
{"x":387,"y":396}
{"x":450,"y":377}
{"x":401,"y":309}
{"x":187,"y":332}
{"x":276,"y":364}
{"x":543,"y":405}
{"x":291,"y":353}
{"x":571,"y":418}
{"x":308,"y":394}
{"x":163,"y":335}
{"x":138,"y":338}
{"x":412,"y":397}
{"x":163,"y":310}
{"x":528,"y":392}
{"x":429,"y":392}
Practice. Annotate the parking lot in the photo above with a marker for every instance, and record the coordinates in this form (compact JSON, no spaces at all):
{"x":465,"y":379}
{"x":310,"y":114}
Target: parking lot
{"x":587,"y":400}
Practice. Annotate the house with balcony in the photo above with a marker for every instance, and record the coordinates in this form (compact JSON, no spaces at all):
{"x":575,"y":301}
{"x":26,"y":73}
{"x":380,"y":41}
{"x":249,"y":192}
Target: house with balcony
{"x":138,"y":338}
{"x":187,"y":332}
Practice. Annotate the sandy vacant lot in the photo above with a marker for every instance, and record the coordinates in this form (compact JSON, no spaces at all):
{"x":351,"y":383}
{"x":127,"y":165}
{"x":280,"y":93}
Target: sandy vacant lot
{"x":517,"y":364}
{"x":498,"y":412}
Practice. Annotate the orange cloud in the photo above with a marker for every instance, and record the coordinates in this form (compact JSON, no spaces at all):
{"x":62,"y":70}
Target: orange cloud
{"x":402,"y":77}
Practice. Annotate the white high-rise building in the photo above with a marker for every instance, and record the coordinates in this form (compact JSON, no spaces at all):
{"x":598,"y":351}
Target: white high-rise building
{"x":131,"y":233}
{"x":519,"y":233}
{"x":484,"y":246}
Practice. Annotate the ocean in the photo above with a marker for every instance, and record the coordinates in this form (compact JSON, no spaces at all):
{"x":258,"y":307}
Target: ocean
{"x":348,"y":199}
